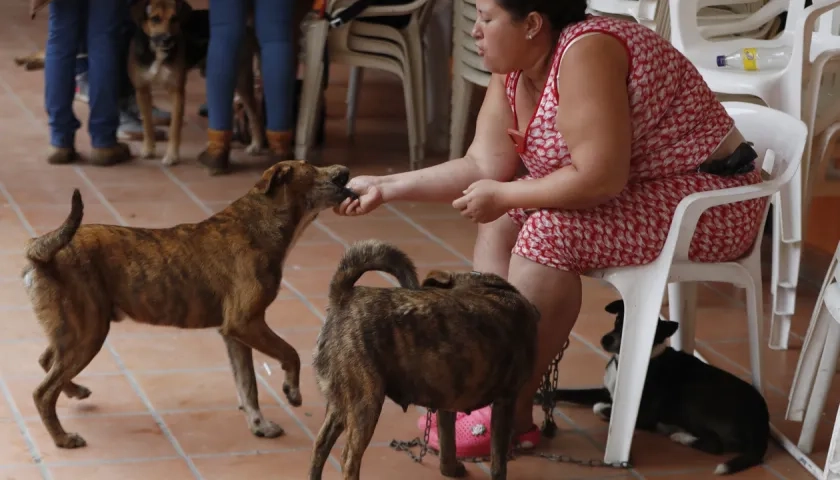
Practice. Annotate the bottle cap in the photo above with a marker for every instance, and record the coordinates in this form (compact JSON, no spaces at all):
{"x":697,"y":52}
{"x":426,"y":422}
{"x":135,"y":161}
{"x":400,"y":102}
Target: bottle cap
{"x":721,"y":60}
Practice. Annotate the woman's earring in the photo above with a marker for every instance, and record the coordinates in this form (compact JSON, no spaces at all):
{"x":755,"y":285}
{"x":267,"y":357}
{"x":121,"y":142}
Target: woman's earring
{"x":530,"y":36}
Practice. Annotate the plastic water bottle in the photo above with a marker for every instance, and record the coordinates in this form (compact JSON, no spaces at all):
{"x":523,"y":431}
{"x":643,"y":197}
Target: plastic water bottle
{"x":755,"y":59}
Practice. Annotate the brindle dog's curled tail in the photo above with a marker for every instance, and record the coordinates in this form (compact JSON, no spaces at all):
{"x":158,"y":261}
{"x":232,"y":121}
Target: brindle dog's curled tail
{"x":42,"y":249}
{"x":366,"y":256}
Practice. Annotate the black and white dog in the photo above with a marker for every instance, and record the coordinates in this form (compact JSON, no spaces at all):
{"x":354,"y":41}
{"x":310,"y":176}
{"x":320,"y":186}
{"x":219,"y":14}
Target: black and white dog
{"x":694,"y":403}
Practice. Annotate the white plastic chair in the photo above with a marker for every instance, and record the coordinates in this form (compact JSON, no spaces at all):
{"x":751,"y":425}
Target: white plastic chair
{"x":410,"y":54}
{"x":781,"y":89}
{"x":396,"y":53}
{"x":779,"y":140}
{"x":816,"y":368}
{"x":468,"y":71}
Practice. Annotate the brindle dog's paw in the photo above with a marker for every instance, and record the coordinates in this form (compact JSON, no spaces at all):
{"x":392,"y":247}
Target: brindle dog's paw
{"x":77,"y":391}
{"x":266,"y":429}
{"x":71,"y":440}
{"x":456,"y":470}
{"x":293,"y":395}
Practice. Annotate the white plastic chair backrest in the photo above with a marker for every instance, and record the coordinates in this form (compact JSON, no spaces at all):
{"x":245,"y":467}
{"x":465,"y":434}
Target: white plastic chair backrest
{"x":775,"y":136}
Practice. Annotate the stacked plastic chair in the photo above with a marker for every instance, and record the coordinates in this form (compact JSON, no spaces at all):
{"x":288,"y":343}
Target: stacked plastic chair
{"x":794,"y":89}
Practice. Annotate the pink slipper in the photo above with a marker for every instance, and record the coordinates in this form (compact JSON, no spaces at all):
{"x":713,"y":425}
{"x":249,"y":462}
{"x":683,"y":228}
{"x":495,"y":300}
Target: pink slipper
{"x":472,"y":435}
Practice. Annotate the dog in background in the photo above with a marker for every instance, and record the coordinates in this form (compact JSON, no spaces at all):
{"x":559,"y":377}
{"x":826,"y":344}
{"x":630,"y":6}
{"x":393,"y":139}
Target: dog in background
{"x":695,"y":403}
{"x":222,"y":272}
{"x":457,"y":342}
{"x":161,"y":55}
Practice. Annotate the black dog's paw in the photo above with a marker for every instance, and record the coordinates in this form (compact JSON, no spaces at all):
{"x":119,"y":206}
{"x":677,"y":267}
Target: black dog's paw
{"x":602,"y":410}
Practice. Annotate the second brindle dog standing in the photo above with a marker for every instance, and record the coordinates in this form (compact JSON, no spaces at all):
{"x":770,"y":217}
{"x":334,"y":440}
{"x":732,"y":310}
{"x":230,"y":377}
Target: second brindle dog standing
{"x":222,"y":272}
{"x":458,"y":342}
{"x":162,"y":56}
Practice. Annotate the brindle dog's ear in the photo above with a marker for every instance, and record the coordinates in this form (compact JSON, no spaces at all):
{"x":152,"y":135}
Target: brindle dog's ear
{"x":615,"y":307}
{"x":279,"y":176}
{"x":138,"y":11}
{"x":438,"y":279}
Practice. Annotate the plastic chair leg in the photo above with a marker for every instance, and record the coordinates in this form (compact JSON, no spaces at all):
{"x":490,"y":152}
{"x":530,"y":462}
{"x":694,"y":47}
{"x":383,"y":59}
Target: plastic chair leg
{"x":822,"y":382}
{"x":313,"y":73}
{"x":353,"y":86}
{"x":642,"y":300}
{"x":682,"y":306}
{"x":461,"y":94}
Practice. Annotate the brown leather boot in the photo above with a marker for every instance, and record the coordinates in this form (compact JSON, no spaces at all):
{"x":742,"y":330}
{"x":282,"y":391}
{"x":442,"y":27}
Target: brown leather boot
{"x":107,"y":156}
{"x":62,"y":155}
{"x":279,"y":144}
{"x":216,"y":156}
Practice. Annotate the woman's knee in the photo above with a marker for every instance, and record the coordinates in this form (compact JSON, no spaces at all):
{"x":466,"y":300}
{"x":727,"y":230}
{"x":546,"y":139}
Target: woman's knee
{"x":273,"y":21}
{"x":493,"y":245}
{"x":227,"y":24}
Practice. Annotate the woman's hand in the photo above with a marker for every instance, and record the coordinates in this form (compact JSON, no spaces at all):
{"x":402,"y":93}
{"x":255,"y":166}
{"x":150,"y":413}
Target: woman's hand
{"x":482,"y":201}
{"x":370,"y":197}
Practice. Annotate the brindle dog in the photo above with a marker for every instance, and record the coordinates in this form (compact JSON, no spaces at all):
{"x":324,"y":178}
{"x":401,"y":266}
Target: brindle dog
{"x":161,"y":55}
{"x":221,"y":272}
{"x":458,"y":342}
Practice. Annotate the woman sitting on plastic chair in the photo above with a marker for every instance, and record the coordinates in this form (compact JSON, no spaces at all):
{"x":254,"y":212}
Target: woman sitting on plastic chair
{"x":276,"y":33}
{"x":639,"y":131}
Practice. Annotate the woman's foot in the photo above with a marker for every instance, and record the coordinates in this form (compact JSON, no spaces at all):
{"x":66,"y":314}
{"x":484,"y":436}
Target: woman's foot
{"x":62,"y":155}
{"x":107,"y":156}
{"x":472,"y":435}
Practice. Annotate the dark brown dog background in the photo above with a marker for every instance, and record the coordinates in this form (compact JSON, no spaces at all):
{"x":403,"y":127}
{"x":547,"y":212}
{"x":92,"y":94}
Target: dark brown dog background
{"x":458,"y":342}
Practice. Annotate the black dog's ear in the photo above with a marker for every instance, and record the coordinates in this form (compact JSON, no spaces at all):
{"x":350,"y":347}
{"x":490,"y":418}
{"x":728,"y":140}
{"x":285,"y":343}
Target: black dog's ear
{"x":438,"y":279}
{"x":615,"y":307}
{"x":666,"y":328}
{"x":274,"y":177}
{"x":184,"y":10}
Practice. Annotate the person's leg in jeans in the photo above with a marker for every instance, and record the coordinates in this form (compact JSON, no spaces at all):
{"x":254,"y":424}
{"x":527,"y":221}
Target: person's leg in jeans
{"x":227,"y":31}
{"x":104,"y":69}
{"x":66,"y":27}
{"x":275,"y":31}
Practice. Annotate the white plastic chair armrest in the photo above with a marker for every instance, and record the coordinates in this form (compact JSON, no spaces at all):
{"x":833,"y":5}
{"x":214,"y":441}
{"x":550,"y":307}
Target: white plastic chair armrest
{"x":690,"y":209}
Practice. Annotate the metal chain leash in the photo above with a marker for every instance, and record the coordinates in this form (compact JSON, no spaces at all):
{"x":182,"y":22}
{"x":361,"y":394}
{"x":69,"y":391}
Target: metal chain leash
{"x":548,"y":429}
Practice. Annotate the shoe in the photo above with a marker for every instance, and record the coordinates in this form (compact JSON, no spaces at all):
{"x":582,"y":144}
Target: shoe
{"x":62,"y":155}
{"x":472,"y":435}
{"x":160,"y":118}
{"x":216,"y":156}
{"x":107,"y":156}
{"x":279,"y":144}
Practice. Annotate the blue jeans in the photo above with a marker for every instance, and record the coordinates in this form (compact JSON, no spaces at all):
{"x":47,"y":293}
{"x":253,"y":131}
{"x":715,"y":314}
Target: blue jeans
{"x":274,"y":22}
{"x":72,"y":23}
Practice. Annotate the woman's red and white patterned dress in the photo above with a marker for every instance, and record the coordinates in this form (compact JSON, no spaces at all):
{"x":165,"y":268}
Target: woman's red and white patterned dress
{"x":677,"y":124}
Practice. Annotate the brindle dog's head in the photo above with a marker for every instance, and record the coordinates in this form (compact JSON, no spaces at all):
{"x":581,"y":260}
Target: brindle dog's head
{"x":317,"y":188}
{"x":453,"y":280}
{"x":161,"y":21}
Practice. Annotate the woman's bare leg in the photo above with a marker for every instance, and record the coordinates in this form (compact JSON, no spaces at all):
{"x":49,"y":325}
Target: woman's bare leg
{"x":557,"y":295}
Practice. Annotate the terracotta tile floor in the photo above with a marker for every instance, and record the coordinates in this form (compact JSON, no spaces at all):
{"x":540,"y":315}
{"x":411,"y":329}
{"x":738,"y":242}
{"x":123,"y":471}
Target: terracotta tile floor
{"x":164,"y":402}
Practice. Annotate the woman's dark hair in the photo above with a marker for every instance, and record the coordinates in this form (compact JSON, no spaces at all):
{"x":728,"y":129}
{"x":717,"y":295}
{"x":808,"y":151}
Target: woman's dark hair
{"x":560,"y":13}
